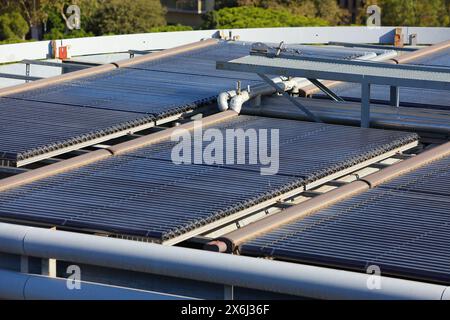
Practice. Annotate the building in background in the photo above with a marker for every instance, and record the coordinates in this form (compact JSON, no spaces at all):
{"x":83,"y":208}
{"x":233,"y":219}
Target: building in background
{"x":187,"y":12}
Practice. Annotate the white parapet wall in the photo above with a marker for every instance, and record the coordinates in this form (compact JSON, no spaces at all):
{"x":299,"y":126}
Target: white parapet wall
{"x":151,"y":41}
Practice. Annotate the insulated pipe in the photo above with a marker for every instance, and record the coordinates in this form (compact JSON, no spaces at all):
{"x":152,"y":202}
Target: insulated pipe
{"x":386,"y":57}
{"x":22,"y":286}
{"x":231,"y":270}
{"x":233,"y":239}
{"x":408,"y":165}
{"x":166,"y":53}
{"x":229,"y":242}
{"x":367,"y":56}
{"x":411,"y":56}
{"x":233,"y":100}
{"x":343,"y":119}
{"x":53,"y":169}
{"x":223,"y":98}
{"x":166,"y":134}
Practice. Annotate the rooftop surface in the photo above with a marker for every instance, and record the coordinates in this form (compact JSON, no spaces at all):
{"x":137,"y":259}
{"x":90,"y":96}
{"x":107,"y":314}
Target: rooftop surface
{"x":90,"y":154}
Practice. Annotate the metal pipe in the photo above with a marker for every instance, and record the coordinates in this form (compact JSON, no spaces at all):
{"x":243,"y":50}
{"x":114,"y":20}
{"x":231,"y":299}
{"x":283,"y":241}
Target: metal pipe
{"x":386,"y":57}
{"x":57,"y":79}
{"x":233,"y":239}
{"x":230,"y":241}
{"x":233,"y":100}
{"x":166,"y":134}
{"x":52,"y":169}
{"x":104,"y":68}
{"x":408,"y":57}
{"x":247,"y":272}
{"x":23,"y":286}
{"x":166,"y":53}
{"x":409,"y":165}
{"x":344,"y":119}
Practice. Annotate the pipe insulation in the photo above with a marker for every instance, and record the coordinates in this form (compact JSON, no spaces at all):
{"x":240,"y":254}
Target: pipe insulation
{"x":234,"y":100}
{"x":23,"y":286}
{"x":232,"y":240}
{"x":247,"y":272}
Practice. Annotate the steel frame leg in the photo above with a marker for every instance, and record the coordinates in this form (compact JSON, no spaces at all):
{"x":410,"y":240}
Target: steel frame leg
{"x":395,"y":96}
{"x":365,"y":105}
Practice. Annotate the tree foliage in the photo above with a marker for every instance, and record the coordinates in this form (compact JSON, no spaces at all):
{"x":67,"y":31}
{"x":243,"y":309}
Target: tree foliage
{"x":255,"y":17}
{"x":98,"y":17}
{"x":171,"y":28}
{"x":124,"y":17}
{"x":13,"y":27}
{"x":429,"y":13}
{"x":328,"y":10}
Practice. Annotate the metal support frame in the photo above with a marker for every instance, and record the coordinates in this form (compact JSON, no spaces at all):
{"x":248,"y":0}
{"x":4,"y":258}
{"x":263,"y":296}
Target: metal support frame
{"x":326,"y":90}
{"x":55,"y":64}
{"x":394,"y":96}
{"x":141,"y":52}
{"x":363,"y":72}
{"x":18,"y":77}
{"x":292,"y":100}
{"x":228,"y":292}
{"x":370,"y":46}
{"x":365,"y":104}
{"x":27,"y":71}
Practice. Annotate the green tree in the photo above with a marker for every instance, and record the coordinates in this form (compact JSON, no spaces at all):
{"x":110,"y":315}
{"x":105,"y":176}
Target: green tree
{"x":13,"y":27}
{"x":127,"y":16}
{"x":171,"y":28}
{"x":255,"y":17}
{"x":328,"y":10}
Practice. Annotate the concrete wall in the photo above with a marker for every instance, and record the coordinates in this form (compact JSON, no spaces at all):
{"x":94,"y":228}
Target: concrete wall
{"x":110,"y":44}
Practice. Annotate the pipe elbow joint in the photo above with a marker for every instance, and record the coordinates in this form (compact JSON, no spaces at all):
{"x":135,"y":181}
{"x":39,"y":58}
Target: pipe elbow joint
{"x":237,"y":102}
{"x":223,"y":98}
